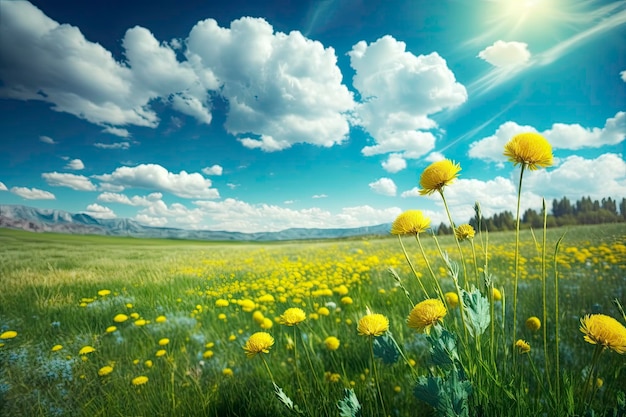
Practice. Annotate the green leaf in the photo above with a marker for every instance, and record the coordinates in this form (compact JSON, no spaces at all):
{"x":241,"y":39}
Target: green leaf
{"x":476,"y":309}
{"x":286,"y":400}
{"x":349,"y":406}
{"x":385,"y":348}
{"x":443,"y":347}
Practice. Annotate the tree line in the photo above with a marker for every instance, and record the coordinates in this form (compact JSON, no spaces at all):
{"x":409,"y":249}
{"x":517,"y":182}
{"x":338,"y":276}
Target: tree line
{"x":563,"y":213}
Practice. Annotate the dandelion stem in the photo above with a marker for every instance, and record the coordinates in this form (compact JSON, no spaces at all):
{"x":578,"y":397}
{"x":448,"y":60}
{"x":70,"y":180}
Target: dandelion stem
{"x":432,"y":273}
{"x":585,"y":404}
{"x":456,"y":239}
{"x":556,"y":323}
{"x":268,"y":369}
{"x":295,"y":361}
{"x":406,"y":255}
{"x":515,"y":283}
{"x":543,"y":288}
{"x":380,"y":394}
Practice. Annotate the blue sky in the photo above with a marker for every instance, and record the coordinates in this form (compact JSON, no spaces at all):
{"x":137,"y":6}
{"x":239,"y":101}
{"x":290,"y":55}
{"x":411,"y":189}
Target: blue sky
{"x":260,"y":116}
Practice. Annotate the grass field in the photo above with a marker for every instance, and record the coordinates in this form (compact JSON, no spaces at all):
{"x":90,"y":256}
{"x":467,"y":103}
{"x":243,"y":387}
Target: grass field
{"x":179,"y":313}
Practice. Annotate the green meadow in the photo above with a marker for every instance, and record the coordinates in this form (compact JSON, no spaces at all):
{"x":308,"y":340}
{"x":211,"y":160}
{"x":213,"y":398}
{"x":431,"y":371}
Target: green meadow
{"x":107,"y":326}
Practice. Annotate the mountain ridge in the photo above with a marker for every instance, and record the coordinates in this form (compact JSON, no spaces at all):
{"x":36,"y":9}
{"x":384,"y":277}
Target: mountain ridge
{"x":59,"y":221}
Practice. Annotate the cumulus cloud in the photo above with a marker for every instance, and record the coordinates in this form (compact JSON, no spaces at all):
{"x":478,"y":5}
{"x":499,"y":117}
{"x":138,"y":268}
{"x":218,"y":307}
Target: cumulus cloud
{"x":109,"y":197}
{"x":75,"y":164}
{"x":213,"y":170}
{"x":44,"y":139}
{"x":32,"y":193}
{"x":384,"y":186}
{"x":394,"y":163}
{"x":2,"y":186}
{"x":561,"y":136}
{"x":117,"y":145}
{"x":504,"y":54}
{"x":319,"y":196}
{"x":155,"y":177}
{"x":623,"y":75}
{"x":281,"y":88}
{"x":413,"y":192}
{"x":399,"y":91}
{"x":123,"y":133}
{"x":99,"y":212}
{"x":151,"y":221}
{"x":73,"y":181}
{"x":239,"y":216}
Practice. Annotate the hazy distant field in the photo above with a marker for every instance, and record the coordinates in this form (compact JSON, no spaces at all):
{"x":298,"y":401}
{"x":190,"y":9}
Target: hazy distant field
{"x":55,"y":292}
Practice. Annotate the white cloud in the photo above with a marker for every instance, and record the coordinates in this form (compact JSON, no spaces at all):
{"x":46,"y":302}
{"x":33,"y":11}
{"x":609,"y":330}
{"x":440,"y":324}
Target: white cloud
{"x":503,"y":54}
{"x":123,"y":133}
{"x":117,"y":145}
{"x":399,"y":91}
{"x":2,"y":186}
{"x":32,"y":193}
{"x":46,"y":139}
{"x":384,"y":186}
{"x":99,"y":212}
{"x":394,"y":163}
{"x":561,"y":136}
{"x":413,"y":192}
{"x":319,"y":196}
{"x":136,"y":200}
{"x":155,"y":177}
{"x":73,"y":181}
{"x":282,"y":89}
{"x":239,"y":216}
{"x":75,"y":164}
{"x":623,"y":75}
{"x":213,"y":170}
{"x":151,"y":221}
{"x":434,"y":157}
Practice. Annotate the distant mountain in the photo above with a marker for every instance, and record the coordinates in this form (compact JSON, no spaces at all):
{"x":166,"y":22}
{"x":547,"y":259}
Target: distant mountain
{"x":47,"y":220}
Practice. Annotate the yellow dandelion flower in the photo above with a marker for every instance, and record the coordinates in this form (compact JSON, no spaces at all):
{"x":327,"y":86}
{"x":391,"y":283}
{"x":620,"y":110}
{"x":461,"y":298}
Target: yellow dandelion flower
{"x":604,"y":331}
{"x":426,"y":314}
{"x":346,"y":300}
{"x":129,"y":305}
{"x":9,"y":334}
{"x":56,"y":348}
{"x":120,"y":318}
{"x":134,"y":316}
{"x":323,"y":311}
{"x":267,"y":324}
{"x":437,"y":175}
{"x":221,"y":303}
{"x":292,"y":317}
{"x":465,"y":231}
{"x":411,"y":222}
{"x":599,"y":383}
{"x":497,"y":295}
{"x":140,"y":380}
{"x":148,"y":363}
{"x":258,"y":317}
{"x":373,"y":325}
{"x":208,"y":354}
{"x":111,"y":329}
{"x":397,"y":388}
{"x":221,"y":316}
{"x":104,"y":293}
{"x":160,"y":352}
{"x":247,"y":305}
{"x":259,"y":342}
{"x":161,"y":319}
{"x":452,"y":299}
{"x":533,"y":323}
{"x":522,"y":346}
{"x":140,"y":322}
{"x":227,"y":372}
{"x":529,"y":149}
{"x":232,"y":338}
{"x":105,"y":370}
{"x":164,"y":341}
{"x":86,"y":349}
{"x":332,"y":343}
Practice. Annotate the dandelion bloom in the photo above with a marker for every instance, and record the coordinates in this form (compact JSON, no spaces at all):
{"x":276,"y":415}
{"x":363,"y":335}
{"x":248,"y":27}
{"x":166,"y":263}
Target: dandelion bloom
{"x":452,"y":299}
{"x":164,"y":341}
{"x":105,"y":370}
{"x":258,"y":317}
{"x":292,"y":316}
{"x":148,"y":363}
{"x":120,"y":318}
{"x":437,"y":175}
{"x":529,"y":149}
{"x":207,"y":354}
{"x":111,"y":329}
{"x":160,"y":352}
{"x":221,"y":303}
{"x":56,"y":348}
{"x":259,"y":342}
{"x":346,"y":300}
{"x":227,"y":372}
{"x":332,"y":343}
{"x":323,"y":311}
{"x":10,"y":334}
{"x":104,"y":293}
{"x":604,"y":331}
{"x":86,"y":349}
{"x":533,"y":323}
{"x":497,"y":295}
{"x":140,"y":322}
{"x":426,"y":314}
{"x":464,"y":231}
{"x":140,"y":380}
{"x":522,"y":346}
{"x":411,"y":222}
{"x":373,"y":325}
{"x":267,"y":324}
{"x":161,"y":319}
